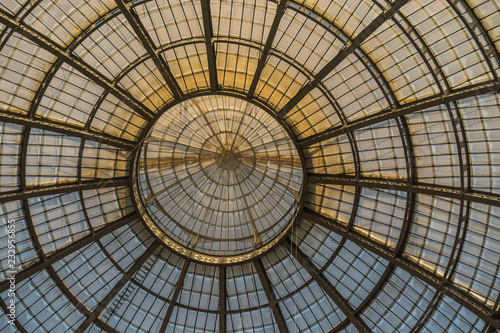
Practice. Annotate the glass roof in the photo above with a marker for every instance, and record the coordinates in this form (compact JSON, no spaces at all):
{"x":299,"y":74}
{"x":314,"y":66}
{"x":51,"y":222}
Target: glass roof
{"x":250,"y":165}
{"x":219,"y":177}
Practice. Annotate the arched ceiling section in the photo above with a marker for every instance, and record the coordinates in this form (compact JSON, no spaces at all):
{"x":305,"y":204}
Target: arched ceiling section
{"x":394,"y":106}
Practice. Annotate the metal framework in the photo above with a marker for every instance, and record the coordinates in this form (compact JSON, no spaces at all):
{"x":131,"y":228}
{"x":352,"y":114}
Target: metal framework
{"x":328,"y":288}
{"x":148,"y":44}
{"x":31,"y":122}
{"x":16,"y":322}
{"x":74,"y":246}
{"x":36,"y":191}
{"x":473,"y":25}
{"x":209,"y":43}
{"x":64,"y":288}
{"x":411,"y":267}
{"x":175,"y":296}
{"x":447,"y":97}
{"x":222,"y":299}
{"x":79,"y":65}
{"x":409,"y":153}
{"x":427,"y":314}
{"x":119,"y":285}
{"x":268,"y":289}
{"x":76,"y":302}
{"x":419,"y":105}
{"x":267,"y":47}
{"x":343,"y":54}
{"x":410,"y":165}
{"x":461,"y":140}
{"x":402,"y":185}
{"x":67,"y":129}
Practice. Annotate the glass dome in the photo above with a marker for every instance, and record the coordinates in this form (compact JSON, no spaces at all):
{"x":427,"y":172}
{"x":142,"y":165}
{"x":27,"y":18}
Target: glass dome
{"x":250,"y":166}
{"x":219,"y":179}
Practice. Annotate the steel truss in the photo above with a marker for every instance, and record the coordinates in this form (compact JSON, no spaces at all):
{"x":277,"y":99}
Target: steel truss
{"x":222,"y":299}
{"x":271,"y":297}
{"x":37,"y":191}
{"x":119,"y":285}
{"x":175,"y":296}
{"x":209,"y":43}
{"x":67,"y":129}
{"x":419,"y":105}
{"x":148,"y":44}
{"x":327,"y":287}
{"x":402,"y":185}
{"x":387,"y":14}
{"x":280,"y":10}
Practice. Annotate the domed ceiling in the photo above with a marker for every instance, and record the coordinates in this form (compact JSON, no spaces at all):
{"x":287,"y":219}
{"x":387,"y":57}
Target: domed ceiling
{"x":250,"y":166}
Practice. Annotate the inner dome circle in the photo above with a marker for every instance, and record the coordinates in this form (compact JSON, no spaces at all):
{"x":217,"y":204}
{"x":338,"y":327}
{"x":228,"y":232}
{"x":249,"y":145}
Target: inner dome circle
{"x":219,"y":179}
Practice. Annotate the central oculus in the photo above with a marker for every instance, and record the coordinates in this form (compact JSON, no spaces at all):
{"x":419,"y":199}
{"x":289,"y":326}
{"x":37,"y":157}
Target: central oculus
{"x":228,"y":160}
{"x":218,"y":179}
